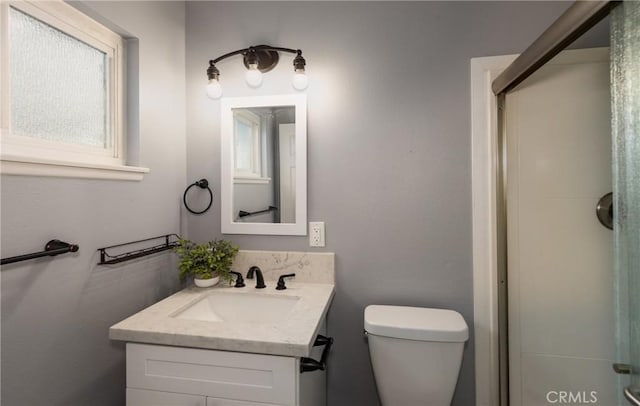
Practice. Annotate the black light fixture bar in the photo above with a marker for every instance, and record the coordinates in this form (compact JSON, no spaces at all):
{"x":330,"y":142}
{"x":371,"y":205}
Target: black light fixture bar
{"x":257,"y":59}
{"x":257,"y":48}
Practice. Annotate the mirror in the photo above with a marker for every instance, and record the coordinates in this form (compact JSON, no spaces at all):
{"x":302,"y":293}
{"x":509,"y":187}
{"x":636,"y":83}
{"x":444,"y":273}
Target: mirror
{"x":264,"y":165}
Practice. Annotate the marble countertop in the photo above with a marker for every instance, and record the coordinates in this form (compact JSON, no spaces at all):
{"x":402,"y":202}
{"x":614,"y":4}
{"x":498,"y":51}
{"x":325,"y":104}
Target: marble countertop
{"x":293,"y":336}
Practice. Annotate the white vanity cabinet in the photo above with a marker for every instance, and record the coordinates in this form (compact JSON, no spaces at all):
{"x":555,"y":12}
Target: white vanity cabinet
{"x":163,"y":375}
{"x":227,"y":346}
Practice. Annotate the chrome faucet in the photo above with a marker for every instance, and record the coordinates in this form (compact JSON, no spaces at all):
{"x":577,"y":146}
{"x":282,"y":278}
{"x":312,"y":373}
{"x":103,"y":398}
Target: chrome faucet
{"x":259,"y":278}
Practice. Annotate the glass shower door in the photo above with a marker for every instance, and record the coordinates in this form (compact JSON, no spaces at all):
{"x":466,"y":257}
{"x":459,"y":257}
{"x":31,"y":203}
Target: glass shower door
{"x":625,"y":89}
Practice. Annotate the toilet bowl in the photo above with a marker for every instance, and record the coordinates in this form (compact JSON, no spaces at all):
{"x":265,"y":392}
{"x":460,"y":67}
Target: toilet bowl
{"x":415,"y":353}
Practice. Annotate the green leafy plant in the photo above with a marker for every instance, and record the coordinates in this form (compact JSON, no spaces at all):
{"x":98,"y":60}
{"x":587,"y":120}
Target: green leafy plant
{"x":205,"y":260}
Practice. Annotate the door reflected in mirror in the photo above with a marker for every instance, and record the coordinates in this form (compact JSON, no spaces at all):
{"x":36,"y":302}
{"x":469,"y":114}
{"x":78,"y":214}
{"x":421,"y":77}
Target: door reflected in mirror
{"x":264,"y":141}
{"x":264,"y":165}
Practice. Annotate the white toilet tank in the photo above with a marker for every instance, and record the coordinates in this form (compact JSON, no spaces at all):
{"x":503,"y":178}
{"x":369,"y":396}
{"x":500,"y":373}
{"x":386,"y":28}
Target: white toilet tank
{"x":416,"y":353}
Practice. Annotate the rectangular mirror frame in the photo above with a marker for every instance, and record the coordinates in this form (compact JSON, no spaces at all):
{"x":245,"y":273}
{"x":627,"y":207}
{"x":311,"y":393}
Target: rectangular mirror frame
{"x":228,"y":226}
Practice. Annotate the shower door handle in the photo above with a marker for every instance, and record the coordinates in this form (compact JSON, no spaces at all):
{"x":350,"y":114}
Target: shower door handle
{"x":604,"y":210}
{"x":632,"y":394}
{"x":623,"y":369}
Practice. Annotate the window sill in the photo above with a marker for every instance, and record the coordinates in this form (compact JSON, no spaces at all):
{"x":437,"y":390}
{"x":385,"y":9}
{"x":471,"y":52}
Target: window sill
{"x":251,"y":180}
{"x":22,"y":166}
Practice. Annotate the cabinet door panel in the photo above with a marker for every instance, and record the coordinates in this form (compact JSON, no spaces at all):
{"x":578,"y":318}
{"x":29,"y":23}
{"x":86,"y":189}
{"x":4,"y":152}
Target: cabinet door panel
{"x":230,"y":402}
{"x":141,"y":397}
{"x":220,"y":374}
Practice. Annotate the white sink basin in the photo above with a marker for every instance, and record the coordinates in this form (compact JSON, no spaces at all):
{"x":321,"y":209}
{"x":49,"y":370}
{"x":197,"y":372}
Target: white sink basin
{"x":263,"y":321}
{"x":240,"y":308}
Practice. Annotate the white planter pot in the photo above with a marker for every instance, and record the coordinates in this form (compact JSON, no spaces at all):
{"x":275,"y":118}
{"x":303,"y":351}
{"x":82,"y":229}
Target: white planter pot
{"x":206,"y":283}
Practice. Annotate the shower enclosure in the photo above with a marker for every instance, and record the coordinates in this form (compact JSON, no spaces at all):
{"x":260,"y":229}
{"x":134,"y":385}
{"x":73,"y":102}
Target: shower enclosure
{"x":613,"y":334}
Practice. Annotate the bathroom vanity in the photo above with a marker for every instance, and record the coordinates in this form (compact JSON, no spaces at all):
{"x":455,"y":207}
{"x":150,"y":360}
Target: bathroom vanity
{"x":158,"y":375}
{"x":234,"y":346}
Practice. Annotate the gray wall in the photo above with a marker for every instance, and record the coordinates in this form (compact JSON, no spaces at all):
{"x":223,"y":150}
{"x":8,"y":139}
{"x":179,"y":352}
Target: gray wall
{"x":388,"y":172}
{"x":56,"y":312}
{"x":388,"y":147}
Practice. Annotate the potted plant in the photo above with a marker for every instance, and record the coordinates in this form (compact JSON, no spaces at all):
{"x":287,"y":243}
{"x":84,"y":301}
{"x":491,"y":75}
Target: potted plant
{"x":208,"y":262}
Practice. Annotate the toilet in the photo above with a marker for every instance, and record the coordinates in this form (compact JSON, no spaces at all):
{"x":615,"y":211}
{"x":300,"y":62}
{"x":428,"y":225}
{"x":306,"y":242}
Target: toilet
{"x":415,"y":352}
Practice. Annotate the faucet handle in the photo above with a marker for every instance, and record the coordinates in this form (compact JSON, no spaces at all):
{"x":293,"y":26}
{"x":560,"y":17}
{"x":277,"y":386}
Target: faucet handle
{"x":281,"y":285}
{"x":239,"y":279}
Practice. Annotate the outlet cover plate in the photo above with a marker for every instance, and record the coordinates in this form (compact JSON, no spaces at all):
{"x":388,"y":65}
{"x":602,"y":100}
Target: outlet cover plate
{"x":316,"y":234}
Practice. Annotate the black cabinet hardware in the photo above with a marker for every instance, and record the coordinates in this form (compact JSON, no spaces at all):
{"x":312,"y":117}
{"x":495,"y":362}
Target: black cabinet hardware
{"x":310,"y":364}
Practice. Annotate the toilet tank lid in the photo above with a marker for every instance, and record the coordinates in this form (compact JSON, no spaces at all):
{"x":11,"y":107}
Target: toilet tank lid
{"x":415,"y":323}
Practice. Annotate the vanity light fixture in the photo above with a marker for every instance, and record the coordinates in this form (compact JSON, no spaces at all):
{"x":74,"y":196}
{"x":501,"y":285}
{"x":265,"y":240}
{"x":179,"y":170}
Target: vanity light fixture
{"x":258,"y":60}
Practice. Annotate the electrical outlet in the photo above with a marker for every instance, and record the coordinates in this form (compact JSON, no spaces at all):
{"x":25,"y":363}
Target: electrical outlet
{"x":316,"y":234}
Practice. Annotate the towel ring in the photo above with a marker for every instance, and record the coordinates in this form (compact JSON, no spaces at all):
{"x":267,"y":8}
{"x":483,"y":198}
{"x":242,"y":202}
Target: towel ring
{"x":202,"y":184}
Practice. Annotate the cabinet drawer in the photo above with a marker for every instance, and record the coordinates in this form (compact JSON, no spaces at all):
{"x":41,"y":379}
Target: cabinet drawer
{"x":221,"y":374}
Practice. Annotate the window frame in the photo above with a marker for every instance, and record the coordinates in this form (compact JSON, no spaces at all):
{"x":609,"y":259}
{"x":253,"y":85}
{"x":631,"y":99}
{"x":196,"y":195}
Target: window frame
{"x":23,"y":155}
{"x":254,"y":175}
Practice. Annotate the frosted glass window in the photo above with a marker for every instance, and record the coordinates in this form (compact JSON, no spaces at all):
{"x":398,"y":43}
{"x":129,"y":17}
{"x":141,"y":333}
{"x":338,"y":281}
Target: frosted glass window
{"x":59,"y":85}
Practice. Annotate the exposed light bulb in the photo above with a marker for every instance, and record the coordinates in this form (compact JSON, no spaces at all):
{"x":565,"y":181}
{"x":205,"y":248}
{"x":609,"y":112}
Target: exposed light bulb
{"x":300,"y":80}
{"x":214,"y":90}
{"x":253,"y":76}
